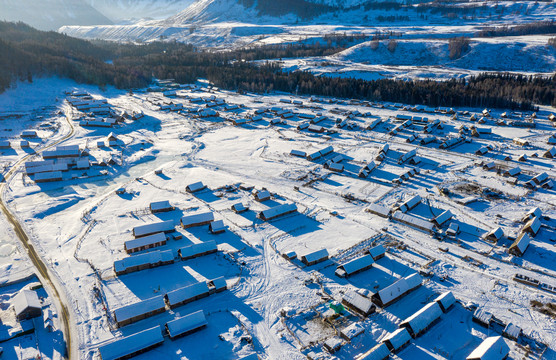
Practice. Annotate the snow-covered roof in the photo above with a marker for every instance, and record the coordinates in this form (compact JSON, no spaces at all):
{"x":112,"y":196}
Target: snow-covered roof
{"x":521,"y":243}
{"x":482,"y":315}
{"x":145,"y":241}
{"x":533,"y":225}
{"x":410,"y":203}
{"x":413,"y":221}
{"x":195,"y":186}
{"x":327,"y":150}
{"x":51,"y":175}
{"x":26,"y":299}
{"x":217,"y":226}
{"x":298,"y":153}
{"x":495,"y":233}
{"x":239,"y":207}
{"x":492,"y":348}
{"x":398,"y":288}
{"x":131,"y":344}
{"x":423,"y":318}
{"x":198,"y":218}
{"x":160,"y":205}
{"x":442,"y":218}
{"x":147,"y":229}
{"x":276,"y":211}
{"x":187,"y":292}
{"x":378,"y":352}
{"x":262,"y":195}
{"x":151,"y":258}
{"x":378,"y":210}
{"x":398,"y":338}
{"x":352,"y":330}
{"x":318,"y":255}
{"x":513,"y":331}
{"x":191,"y":251}
{"x":377,"y":252}
{"x":358,"y":264}
{"x":62,"y":151}
{"x":139,"y":308}
{"x":186,"y":323}
{"x":446,"y":299}
{"x":361,"y":303}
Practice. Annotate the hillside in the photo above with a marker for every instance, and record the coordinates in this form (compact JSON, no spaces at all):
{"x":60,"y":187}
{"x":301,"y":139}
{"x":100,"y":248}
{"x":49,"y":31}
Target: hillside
{"x":51,"y":14}
{"x":124,"y":10}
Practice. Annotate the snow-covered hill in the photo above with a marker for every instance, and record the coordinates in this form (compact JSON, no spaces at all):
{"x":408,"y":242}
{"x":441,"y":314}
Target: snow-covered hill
{"x":51,"y":14}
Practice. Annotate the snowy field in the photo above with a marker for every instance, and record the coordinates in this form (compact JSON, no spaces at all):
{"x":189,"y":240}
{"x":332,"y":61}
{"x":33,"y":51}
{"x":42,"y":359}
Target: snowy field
{"x":272,"y":305}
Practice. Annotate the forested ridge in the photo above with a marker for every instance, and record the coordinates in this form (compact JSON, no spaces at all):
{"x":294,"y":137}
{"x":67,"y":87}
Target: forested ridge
{"x":26,"y":53}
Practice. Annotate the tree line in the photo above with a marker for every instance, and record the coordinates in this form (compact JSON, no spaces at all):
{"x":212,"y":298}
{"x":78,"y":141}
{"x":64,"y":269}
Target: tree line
{"x":25,"y":53}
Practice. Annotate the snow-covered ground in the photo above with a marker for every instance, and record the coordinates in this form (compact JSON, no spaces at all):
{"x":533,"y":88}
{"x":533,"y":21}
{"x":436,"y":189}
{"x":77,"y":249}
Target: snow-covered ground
{"x":79,"y":226}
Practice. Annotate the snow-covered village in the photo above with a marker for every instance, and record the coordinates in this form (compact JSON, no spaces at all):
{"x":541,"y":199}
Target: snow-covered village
{"x":195,"y":220}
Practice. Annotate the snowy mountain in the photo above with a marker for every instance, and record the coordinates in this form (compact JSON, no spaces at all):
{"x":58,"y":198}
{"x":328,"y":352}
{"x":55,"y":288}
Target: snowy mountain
{"x":51,"y":14}
{"x":118,"y":10}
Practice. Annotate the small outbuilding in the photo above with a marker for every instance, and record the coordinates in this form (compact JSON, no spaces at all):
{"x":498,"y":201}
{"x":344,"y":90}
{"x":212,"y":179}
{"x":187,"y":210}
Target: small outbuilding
{"x":397,"y":340}
{"x":186,"y":325}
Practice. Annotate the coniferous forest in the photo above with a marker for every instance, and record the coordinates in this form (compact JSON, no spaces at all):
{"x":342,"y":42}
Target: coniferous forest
{"x":26,"y":53}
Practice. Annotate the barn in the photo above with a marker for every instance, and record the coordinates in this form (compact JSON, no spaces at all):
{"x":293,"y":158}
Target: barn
{"x":140,"y":310}
{"x":414,"y":221}
{"x":398,"y":289}
{"x":520,"y":244}
{"x":217,"y":227}
{"x":315,"y":257}
{"x":132,"y":345}
{"x":410,"y":203}
{"x":379,"y":210}
{"x":26,"y":305}
{"x":377,"y":252}
{"x":445,"y":300}
{"x":239,"y":208}
{"x":492,"y":348}
{"x":482,"y":317}
{"x":277,"y":211}
{"x":197,"y":250}
{"x":197,"y":219}
{"x":145,"y":242}
{"x":494,"y":235}
{"x":532,"y":226}
{"x":511,"y":332}
{"x":149,"y":229}
{"x":198,"y":186}
{"x":143,"y":261}
{"x":355,"y":266}
{"x":358,"y":303}
{"x":262,"y":195}
{"x":186,"y":294}
{"x":378,"y":352}
{"x":186,"y":325}
{"x":442,"y":218}
{"x":419,"y":322}
{"x":397,"y":340}
{"x":160,"y":206}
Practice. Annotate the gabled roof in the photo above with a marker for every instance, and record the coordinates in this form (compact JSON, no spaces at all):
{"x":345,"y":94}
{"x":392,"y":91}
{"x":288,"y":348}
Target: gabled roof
{"x":398,"y":338}
{"x":357,"y":264}
{"x":131,"y":344}
{"x":139,"y":308}
{"x":423,"y":318}
{"x":492,"y":348}
{"x":398,"y":288}
{"x":186,"y":323}
{"x":26,"y":299}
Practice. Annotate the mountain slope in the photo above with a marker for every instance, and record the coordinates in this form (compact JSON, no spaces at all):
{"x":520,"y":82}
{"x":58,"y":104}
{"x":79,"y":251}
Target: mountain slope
{"x":119,"y":10}
{"x":51,"y":14}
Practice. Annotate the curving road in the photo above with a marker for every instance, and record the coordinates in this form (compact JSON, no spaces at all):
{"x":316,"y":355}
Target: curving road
{"x":43,"y":273}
